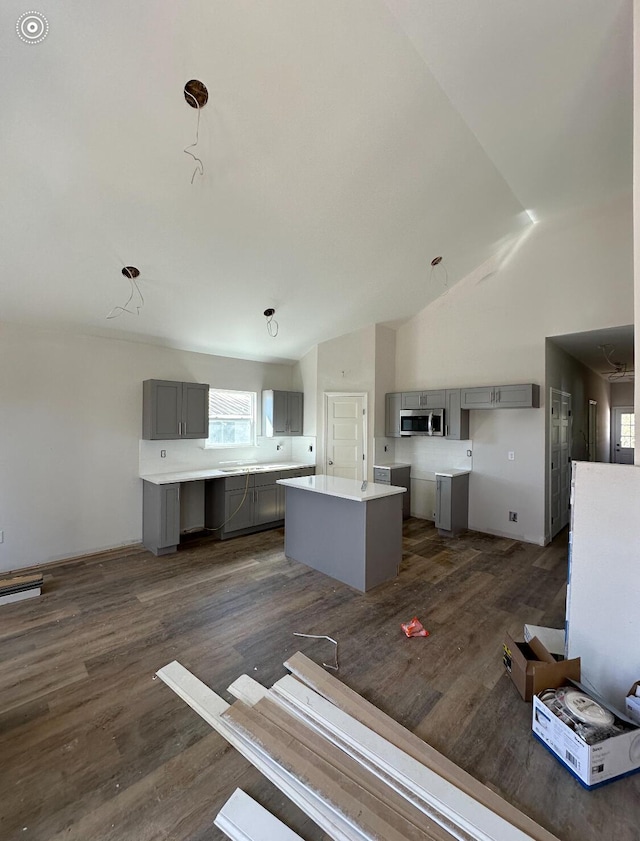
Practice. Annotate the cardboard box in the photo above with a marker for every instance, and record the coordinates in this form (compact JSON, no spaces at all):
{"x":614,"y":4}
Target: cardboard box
{"x":533,"y":669}
{"x":632,"y":702}
{"x":591,"y":764}
{"x":551,"y":638}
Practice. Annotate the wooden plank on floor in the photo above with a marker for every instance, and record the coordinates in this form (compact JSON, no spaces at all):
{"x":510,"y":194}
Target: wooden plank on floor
{"x":366,"y":713}
{"x":242,"y":819}
{"x":346,"y":765}
{"x":368,"y":817}
{"x":211,"y":707}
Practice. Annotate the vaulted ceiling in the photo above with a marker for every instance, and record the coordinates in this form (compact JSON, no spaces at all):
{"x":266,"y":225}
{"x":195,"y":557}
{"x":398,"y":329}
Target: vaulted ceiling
{"x":344,"y":145}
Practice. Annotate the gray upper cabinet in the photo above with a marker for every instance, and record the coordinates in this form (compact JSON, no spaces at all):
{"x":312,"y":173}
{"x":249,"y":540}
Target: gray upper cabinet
{"x":526,"y":396}
{"x":456,"y":419}
{"x":173,"y":410}
{"x":282,"y":413}
{"x":393,"y":404}
{"x":423,"y":399}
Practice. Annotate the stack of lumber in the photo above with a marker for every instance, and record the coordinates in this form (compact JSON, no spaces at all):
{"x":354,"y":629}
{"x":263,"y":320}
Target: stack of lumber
{"x":18,"y":587}
{"x":352,"y":769}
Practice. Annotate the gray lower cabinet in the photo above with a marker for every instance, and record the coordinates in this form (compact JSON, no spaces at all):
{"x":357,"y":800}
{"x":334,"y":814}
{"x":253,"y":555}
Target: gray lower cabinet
{"x":160,"y":517}
{"x":456,"y":419}
{"x":452,"y":504}
{"x":398,"y":475}
{"x":423,"y":399}
{"x":524,"y":396}
{"x":244,"y":504}
{"x":172,"y":410}
{"x":282,"y":412}
{"x":393,"y":404}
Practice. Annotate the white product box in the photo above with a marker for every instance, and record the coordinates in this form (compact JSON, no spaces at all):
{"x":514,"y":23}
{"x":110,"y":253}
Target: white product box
{"x":592,"y":765}
{"x":633,"y":702}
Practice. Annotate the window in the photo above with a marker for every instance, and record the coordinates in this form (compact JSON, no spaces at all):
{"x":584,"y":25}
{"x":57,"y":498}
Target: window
{"x":627,"y":430}
{"x":232,"y":418}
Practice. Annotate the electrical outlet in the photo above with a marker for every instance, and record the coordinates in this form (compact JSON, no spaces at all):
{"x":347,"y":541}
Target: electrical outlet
{"x":513,"y":516}
{"x":163,"y":453}
{"x":512,"y":455}
{"x":469,"y":453}
{"x":310,"y":448}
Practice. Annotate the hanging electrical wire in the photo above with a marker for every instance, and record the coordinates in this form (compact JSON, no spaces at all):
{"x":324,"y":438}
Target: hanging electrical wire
{"x":135,"y":301}
{"x":272,"y":324}
{"x":620,"y":369}
{"x":439,"y":272}
{"x":196,"y":95}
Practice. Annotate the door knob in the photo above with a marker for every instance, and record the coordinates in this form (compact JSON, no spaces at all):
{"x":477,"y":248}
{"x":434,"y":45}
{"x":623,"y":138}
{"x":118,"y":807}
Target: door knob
{"x":330,"y":462}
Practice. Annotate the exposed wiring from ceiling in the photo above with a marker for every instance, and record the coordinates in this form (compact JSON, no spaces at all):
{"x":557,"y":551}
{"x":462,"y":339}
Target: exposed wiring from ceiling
{"x":272,"y":324}
{"x":620,"y":369}
{"x":131,"y":273}
{"x":439,"y":272}
{"x":199,"y":167}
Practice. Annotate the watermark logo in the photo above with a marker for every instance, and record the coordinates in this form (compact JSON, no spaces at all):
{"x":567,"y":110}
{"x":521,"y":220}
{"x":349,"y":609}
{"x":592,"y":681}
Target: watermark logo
{"x":32,"y":27}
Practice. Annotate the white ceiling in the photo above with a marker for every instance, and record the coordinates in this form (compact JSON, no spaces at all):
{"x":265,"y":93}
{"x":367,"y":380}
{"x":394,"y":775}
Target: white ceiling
{"x":345,"y":144}
{"x":608,"y":352}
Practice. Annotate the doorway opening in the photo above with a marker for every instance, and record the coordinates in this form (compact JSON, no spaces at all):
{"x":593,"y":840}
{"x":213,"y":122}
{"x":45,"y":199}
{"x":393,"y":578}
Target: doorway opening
{"x":559,"y":460}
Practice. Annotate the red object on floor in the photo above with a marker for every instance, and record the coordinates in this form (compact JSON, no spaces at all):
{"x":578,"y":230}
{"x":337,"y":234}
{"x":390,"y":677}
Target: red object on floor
{"x":414,"y":628}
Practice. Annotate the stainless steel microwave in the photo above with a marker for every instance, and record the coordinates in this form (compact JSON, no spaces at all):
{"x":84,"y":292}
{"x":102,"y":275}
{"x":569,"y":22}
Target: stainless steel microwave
{"x":422,"y":422}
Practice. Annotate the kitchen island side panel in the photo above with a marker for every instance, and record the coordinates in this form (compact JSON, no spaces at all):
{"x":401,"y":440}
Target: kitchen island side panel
{"x":358,"y":543}
{"x":384,"y":539}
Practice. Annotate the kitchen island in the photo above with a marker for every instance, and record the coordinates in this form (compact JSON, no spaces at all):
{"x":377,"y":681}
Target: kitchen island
{"x":351,"y":533}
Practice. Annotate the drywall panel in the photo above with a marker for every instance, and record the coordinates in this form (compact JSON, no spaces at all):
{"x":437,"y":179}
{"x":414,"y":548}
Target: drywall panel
{"x":70,"y":426}
{"x":562,"y":276}
{"x":604,"y":583}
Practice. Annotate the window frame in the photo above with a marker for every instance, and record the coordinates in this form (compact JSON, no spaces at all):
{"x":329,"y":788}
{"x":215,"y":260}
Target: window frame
{"x":253,"y":419}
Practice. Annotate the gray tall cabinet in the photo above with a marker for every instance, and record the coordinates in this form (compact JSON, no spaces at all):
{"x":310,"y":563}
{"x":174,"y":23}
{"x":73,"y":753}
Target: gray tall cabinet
{"x":452,"y":502}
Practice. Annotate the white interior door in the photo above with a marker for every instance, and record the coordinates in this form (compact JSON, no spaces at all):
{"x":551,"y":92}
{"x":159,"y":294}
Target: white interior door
{"x":624,"y":434}
{"x":345,"y":454}
{"x":560,"y":459}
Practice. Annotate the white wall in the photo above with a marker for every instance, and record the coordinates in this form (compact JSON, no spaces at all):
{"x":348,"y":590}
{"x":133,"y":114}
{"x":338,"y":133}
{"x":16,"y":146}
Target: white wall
{"x":565,"y":276}
{"x":70,"y":426}
{"x":622,"y":394}
{"x":305,"y":379}
{"x":604,"y":584}
{"x":347,"y":364}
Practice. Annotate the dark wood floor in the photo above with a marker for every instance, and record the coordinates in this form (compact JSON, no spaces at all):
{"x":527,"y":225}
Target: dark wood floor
{"x":93,"y":747}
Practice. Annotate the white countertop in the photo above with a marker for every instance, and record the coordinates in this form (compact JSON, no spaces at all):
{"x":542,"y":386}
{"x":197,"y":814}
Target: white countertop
{"x":218,"y":472}
{"x":452,"y":473}
{"x":344,"y":488}
{"x":392,"y":464}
